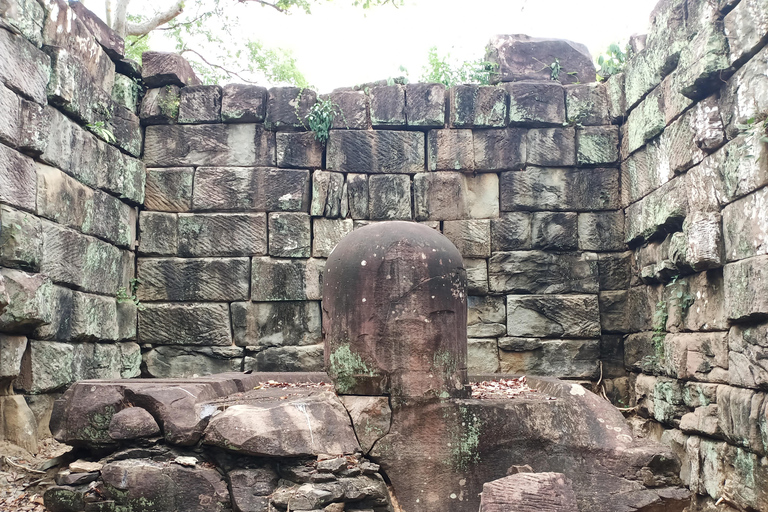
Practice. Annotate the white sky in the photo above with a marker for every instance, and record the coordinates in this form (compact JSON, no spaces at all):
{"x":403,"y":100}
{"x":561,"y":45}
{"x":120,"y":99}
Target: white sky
{"x":338,"y":45}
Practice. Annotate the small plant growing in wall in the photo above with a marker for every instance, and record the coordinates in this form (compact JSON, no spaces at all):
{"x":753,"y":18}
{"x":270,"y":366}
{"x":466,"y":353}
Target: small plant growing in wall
{"x":555,"y":69}
{"x":125,"y":296}
{"x":612,"y":61}
{"x":100,"y":129}
{"x":320,"y":118}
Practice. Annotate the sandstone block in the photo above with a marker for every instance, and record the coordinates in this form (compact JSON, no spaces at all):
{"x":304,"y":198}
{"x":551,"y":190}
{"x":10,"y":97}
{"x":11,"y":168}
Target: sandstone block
{"x":477,"y":106}
{"x":24,"y":68}
{"x":241,"y":103}
{"x":375,"y":152}
{"x":486,"y":317}
{"x":542,"y":316}
{"x":529,"y":491}
{"x":371,"y":418}
{"x":389,"y":197}
{"x":536,"y":104}
{"x":696,"y":356}
{"x":537,"y":188}
{"x":287,"y":108}
{"x":614,"y":311}
{"x":700,"y":245}
{"x":200,"y":104}
{"x":276,"y":324}
{"x":602,"y":231}
{"x":10,"y":109}
{"x":326,"y":233}
{"x":560,"y":357}
{"x":745,"y":28}
{"x":615,"y":270}
{"x":299,"y":150}
{"x":454,"y":196}
{"x":597,"y":145}
{"x":664,"y":208}
{"x":357,"y":195}
{"x":745,"y":288}
{"x":617,"y":99}
{"x":745,"y":229}
{"x":748,"y":347}
{"x":222,"y":234}
{"x":520,"y":58}
{"x":126,"y":93}
{"x":511,"y":232}
{"x":704,"y":61}
{"x":18,"y":176}
{"x":353,"y":108}
{"x":450,"y":150}
{"x":160,"y":68}
{"x":554,"y":231}
{"x":307,"y":358}
{"x":588,"y":104}
{"x":499,"y":150}
{"x":482,"y":355}
{"x":477,"y":275}
{"x":471,"y":237}
{"x":289,"y":235}
{"x":551,"y":147}
{"x":133,"y":423}
{"x":425,"y":105}
{"x":387,"y":105}
{"x":286,"y":279}
{"x":27,"y":18}
{"x":646,"y":121}
{"x":540,"y":272}
{"x":745,"y":95}
{"x":159,"y":233}
{"x":696,"y":303}
{"x":21,"y":239}
{"x":327,"y":194}
{"x":11,"y":351}
{"x":193,"y":279}
{"x":169,"y":190}
{"x":161,"y":105}
{"x":255,"y":189}
{"x":185,"y":324}
{"x":46,"y":367}
{"x":209,"y":145}
{"x":183,"y":362}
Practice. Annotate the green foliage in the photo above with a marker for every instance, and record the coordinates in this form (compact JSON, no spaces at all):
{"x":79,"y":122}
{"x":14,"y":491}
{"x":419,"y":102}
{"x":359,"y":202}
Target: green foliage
{"x":101,"y":130}
{"x":555,"y":69}
{"x":612,"y":62}
{"x":441,"y":69}
{"x":277,"y":65}
{"x":123,"y":295}
{"x":320,"y":118}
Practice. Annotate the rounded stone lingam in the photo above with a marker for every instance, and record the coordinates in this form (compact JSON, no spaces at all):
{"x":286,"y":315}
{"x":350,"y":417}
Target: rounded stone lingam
{"x":395,"y":313}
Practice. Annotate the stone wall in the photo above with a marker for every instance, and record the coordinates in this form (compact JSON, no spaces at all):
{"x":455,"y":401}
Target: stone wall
{"x":694,"y":167}
{"x":68,"y":209}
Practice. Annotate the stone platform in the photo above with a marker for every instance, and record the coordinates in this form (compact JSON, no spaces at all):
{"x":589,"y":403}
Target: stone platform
{"x":257,"y":445}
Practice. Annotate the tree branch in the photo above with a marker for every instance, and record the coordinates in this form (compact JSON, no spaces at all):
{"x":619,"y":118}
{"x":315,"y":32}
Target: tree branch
{"x":139,"y":29}
{"x":264,"y":3}
{"x":227,"y":71}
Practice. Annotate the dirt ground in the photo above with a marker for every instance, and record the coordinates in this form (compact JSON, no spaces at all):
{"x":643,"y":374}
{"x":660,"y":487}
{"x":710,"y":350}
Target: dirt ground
{"x":25,"y":477}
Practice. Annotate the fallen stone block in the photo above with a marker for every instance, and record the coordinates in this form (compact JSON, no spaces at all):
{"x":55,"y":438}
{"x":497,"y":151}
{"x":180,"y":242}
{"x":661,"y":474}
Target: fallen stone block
{"x":160,"y":68}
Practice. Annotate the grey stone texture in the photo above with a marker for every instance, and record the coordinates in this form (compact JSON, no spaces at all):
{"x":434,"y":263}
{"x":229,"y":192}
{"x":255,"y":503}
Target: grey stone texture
{"x":276,"y":324}
{"x":455,"y":196}
{"x":389,"y":197}
{"x":250,"y":189}
{"x":425,"y":105}
{"x":200,"y":104}
{"x":299,"y":150}
{"x":160,"y":68}
{"x":375,"y":152}
{"x":499,"y":150}
{"x":387,"y":104}
{"x":276,"y":279}
{"x":536,"y":104}
{"x":289,"y":235}
{"x":169,"y":190}
{"x":450,"y":150}
{"x":558,"y":189}
{"x":193,"y":279}
{"x":477,"y":106}
{"x":185,"y":324}
{"x":242,"y":103}
{"x":287,"y":108}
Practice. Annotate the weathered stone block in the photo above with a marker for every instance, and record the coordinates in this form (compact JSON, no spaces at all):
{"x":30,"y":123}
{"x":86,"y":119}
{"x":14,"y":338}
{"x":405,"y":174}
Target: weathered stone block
{"x":450,"y":150}
{"x":541,"y":272}
{"x":200,"y":104}
{"x":645,"y":122}
{"x":185,"y":324}
{"x":387,"y":105}
{"x":161,"y":105}
{"x":169,"y":190}
{"x":11,"y":351}
{"x":18,"y":177}
{"x":10,"y":110}
{"x":745,"y":228}
{"x":389,"y":197}
{"x":562,"y":358}
{"x":554,"y":231}
{"x":745,"y":95}
{"x":21,"y":239}
{"x":602,"y":231}
{"x":290,"y":279}
{"x":159,"y":233}
{"x":696,"y":303}
{"x":614,"y":311}
{"x":126,"y":93}
{"x":588,"y":104}
{"x":357,"y":195}
{"x":617,"y":99}
{"x":326,"y":233}
{"x":299,"y":150}
{"x":529,"y":491}
{"x":511,"y":232}
{"x":644,"y":171}
{"x":24,"y":69}
{"x":289,"y":235}
{"x":184,"y":362}
{"x":28,"y":18}
{"x":161,"y":68}
{"x":193,"y":279}
{"x":216,"y":144}
{"x":94,"y":318}
{"x":482,"y":356}
{"x":425,"y":105}
{"x":551,"y":147}
{"x":521,"y":58}
{"x":477,"y":106}
{"x":477,"y":275}
{"x":662,"y":209}
{"x":453,"y":196}
{"x":222,"y":234}
{"x":375,"y":152}
{"x":353,"y":108}
{"x":499,"y":150}
{"x":580,"y":190}
{"x":241,"y":103}
{"x":746,"y":288}
{"x":615,"y":270}
{"x":745,"y":29}
{"x":700,"y":245}
{"x":327,"y":194}
{"x":127,"y":320}
{"x":536,"y":104}
{"x":597,"y":145}
{"x":287,"y":108}
{"x":747,"y":365}
{"x":471,"y":237}
{"x":542,"y":316}
{"x":486,"y":317}
{"x":30,"y":299}
{"x":126,"y":129}
{"x":47,"y":366}
{"x":286,"y":359}
{"x":276,"y":324}
{"x":256,"y":189}
{"x":704,"y":61}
